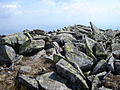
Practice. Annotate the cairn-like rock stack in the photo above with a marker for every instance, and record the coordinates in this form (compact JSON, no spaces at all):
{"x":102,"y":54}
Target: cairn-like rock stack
{"x":72,"y":58}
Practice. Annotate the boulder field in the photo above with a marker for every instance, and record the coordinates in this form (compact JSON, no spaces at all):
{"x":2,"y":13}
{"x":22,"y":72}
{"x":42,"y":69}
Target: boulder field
{"x":72,"y":58}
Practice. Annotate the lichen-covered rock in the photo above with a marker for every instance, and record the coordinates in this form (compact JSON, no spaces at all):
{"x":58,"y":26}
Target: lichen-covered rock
{"x":116,"y":54}
{"x":52,"y":81}
{"x":25,"y":69}
{"x":99,"y":51}
{"x":7,"y":54}
{"x":24,"y":82}
{"x":100,"y":67}
{"x":115,"y":46}
{"x":67,"y":71}
{"x":63,"y":38}
{"x":40,"y":54}
{"x":76,"y":57}
{"x":31,"y":46}
{"x":17,"y":38}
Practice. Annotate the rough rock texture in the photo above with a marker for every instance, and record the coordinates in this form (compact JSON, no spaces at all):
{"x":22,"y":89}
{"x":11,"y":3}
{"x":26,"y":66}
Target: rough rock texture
{"x":71,"y":58}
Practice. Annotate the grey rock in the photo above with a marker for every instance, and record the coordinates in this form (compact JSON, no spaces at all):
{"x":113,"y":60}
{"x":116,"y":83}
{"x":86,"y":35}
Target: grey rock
{"x":116,"y":54}
{"x":40,"y":54}
{"x":25,"y":69}
{"x":63,"y":38}
{"x":7,"y":54}
{"x":90,"y":43}
{"x":24,"y":82}
{"x":99,"y":51}
{"x":67,"y":71}
{"x":31,"y":46}
{"x":17,"y":59}
{"x":17,"y":38}
{"x":110,"y":64}
{"x":104,"y":88}
{"x":115,"y":46}
{"x":117,"y":66}
{"x":38,"y":37}
{"x":76,"y":57}
{"x":100,"y":67}
{"x":52,"y":81}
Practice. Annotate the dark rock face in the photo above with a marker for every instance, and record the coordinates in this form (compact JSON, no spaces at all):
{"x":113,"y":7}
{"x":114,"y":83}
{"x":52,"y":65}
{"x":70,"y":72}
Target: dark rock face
{"x":72,"y":58}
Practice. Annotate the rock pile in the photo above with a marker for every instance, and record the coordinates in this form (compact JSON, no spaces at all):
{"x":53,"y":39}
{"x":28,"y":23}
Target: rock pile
{"x":72,"y":58}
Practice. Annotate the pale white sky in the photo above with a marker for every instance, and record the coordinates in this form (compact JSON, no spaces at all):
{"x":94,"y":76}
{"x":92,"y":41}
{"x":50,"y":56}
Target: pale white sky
{"x":17,"y":15}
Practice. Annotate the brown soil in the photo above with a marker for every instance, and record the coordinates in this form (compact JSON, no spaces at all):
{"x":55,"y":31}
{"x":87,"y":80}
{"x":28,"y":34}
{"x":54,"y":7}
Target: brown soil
{"x":112,"y":81}
{"x":39,"y":66}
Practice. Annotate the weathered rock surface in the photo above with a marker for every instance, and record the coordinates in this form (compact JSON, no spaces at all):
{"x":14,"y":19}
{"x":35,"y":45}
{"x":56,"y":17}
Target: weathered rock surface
{"x":31,"y":46}
{"x":7,"y":54}
{"x":66,"y":70}
{"x":52,"y":81}
{"x":71,"y":58}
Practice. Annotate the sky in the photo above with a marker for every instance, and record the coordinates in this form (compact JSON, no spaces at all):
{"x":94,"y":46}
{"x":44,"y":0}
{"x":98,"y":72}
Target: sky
{"x":18,"y":15}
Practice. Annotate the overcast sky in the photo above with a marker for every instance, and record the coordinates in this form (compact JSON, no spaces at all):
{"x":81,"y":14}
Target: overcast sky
{"x":17,"y":15}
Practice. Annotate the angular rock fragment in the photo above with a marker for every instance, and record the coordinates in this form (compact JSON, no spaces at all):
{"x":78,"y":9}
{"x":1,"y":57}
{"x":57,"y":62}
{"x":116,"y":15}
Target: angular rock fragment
{"x":24,"y":82}
{"x":67,"y":71}
{"x":117,"y":66}
{"x":52,"y":81}
{"x":7,"y":54}
{"x":31,"y":46}
{"x":100,"y":67}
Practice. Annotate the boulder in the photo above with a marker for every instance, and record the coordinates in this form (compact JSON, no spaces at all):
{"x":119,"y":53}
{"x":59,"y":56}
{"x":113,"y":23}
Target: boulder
{"x":76,"y":57}
{"x":117,"y":66}
{"x":31,"y":46}
{"x":25,"y":69}
{"x":67,"y":71}
{"x":24,"y":82}
{"x":116,"y":54}
{"x":40,"y":54}
{"x":100,"y":67}
{"x":99,"y":51}
{"x":110,"y":64}
{"x":7,"y":54}
{"x":17,"y":38}
{"x":52,"y":81}
{"x":63,"y":38}
{"x":115,"y":46}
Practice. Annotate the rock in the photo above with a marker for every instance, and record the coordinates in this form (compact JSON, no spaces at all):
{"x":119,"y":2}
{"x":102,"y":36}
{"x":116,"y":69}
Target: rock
{"x":7,"y":54}
{"x":99,"y":51}
{"x":57,"y":57}
{"x":38,"y":37}
{"x":97,"y":34}
{"x":77,"y":57}
{"x":94,"y":28}
{"x":52,"y":81}
{"x":100,"y":67}
{"x":17,"y":38}
{"x":36,"y":32}
{"x":57,"y":47}
{"x":67,"y":71}
{"x":104,"y":88}
{"x":31,"y":46}
{"x":96,"y":83}
{"x":110,"y":64}
{"x":24,"y":82}
{"x":117,"y":66}
{"x":63,"y":38}
{"x":25,"y":69}
{"x":40,"y":54}
{"x":90,"y":43}
{"x":17,"y":59}
{"x":116,"y":54}
{"x":115,"y":46}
